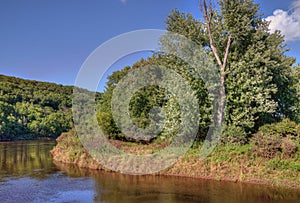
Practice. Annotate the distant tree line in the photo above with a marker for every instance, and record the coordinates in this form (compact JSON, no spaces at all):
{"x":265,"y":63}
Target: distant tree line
{"x":31,"y":109}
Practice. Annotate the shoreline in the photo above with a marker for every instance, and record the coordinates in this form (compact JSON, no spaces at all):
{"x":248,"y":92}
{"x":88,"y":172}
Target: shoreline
{"x":207,"y":178}
{"x":226,"y":179}
{"x":224,"y":164}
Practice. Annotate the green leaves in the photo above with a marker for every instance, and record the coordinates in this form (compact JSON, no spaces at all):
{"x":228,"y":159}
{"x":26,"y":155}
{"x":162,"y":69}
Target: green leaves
{"x":295,"y":91}
{"x":258,"y":82}
{"x":31,"y":109}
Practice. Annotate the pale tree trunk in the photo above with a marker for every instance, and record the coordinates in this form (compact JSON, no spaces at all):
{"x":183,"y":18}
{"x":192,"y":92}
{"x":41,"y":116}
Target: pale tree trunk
{"x":207,"y":11}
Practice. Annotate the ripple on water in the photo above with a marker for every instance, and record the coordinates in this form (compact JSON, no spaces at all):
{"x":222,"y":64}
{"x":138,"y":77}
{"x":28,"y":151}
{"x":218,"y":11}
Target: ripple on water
{"x":53,"y":189}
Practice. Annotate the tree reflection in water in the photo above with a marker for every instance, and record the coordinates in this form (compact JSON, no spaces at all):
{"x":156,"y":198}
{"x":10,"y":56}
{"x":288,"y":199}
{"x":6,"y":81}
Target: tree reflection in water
{"x":115,"y":187}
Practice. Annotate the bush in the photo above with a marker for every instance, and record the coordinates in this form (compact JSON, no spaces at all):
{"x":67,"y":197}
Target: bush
{"x":284,"y":128}
{"x":267,"y":145}
{"x":278,"y":139}
{"x":233,"y":135}
{"x":108,"y":126}
{"x":289,"y":148}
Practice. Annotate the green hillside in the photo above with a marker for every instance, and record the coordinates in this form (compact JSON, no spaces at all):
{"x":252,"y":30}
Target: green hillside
{"x":31,"y":109}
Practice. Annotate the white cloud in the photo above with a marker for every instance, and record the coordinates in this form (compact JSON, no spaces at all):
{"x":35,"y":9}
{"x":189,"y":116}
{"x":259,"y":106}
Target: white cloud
{"x":288,"y":22}
{"x":123,"y":1}
{"x":296,"y":4}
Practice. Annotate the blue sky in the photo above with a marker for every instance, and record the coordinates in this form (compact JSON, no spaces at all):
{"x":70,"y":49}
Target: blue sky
{"x":48,"y":40}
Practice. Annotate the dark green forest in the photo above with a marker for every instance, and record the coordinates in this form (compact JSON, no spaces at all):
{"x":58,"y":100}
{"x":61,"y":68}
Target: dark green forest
{"x":31,"y":109}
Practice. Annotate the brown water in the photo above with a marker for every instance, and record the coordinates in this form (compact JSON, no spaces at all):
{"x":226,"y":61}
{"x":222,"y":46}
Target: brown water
{"x":28,"y":174}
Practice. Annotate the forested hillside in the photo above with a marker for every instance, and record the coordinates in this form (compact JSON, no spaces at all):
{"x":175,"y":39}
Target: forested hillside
{"x":32,"y":109}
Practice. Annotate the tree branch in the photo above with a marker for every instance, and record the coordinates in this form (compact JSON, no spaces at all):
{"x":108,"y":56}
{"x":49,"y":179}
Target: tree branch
{"x":205,"y":10}
{"x":211,"y":42}
{"x":226,"y":53}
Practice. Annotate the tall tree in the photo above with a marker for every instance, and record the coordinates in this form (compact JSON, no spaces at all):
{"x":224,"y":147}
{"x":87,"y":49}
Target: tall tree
{"x":208,"y":14}
{"x":296,"y":90}
{"x":252,"y":63}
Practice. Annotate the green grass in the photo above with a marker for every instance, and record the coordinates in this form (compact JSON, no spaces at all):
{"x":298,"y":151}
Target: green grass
{"x":236,"y":163}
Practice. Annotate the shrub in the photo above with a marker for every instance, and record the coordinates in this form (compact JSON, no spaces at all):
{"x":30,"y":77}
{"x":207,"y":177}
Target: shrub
{"x":267,"y":145}
{"x":284,"y":128}
{"x":277,"y":139}
{"x":288,"y":147}
{"x":233,"y":135}
{"x":108,"y":126}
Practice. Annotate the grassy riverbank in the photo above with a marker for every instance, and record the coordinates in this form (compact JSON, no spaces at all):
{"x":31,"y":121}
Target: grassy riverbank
{"x":228,"y":163}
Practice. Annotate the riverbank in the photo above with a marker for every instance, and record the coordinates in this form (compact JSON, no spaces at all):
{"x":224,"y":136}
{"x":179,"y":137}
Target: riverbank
{"x":226,"y":163}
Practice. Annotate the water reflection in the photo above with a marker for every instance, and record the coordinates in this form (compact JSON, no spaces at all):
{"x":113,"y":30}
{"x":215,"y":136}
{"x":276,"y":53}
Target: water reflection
{"x":30,"y":158}
{"x":114,"y":187}
{"x":28,"y":174}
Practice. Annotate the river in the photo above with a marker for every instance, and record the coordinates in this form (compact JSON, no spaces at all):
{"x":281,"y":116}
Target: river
{"x":28,"y":174}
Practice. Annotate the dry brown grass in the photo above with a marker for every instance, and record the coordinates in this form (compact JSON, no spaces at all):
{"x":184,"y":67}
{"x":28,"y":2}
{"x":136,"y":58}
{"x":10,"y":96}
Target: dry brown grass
{"x":231,"y":163}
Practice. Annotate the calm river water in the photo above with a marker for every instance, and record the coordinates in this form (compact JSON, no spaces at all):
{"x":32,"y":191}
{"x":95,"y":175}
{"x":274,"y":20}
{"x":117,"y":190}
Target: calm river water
{"x":28,"y":174}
